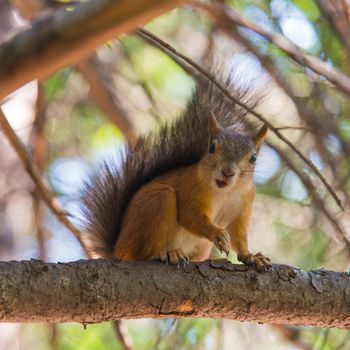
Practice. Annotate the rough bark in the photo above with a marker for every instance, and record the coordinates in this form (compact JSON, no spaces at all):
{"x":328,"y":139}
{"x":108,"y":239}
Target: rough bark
{"x":64,"y":37}
{"x":98,"y":290}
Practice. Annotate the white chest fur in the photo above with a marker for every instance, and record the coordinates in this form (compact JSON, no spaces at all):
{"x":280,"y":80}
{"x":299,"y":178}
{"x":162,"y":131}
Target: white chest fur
{"x":225,"y":206}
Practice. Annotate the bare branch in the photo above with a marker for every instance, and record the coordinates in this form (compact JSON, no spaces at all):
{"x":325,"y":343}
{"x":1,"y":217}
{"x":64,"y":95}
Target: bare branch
{"x":99,"y":290}
{"x":63,"y":38}
{"x":33,"y":172}
{"x":142,"y":83}
{"x":319,"y":203}
{"x":104,"y":99}
{"x":199,"y":70}
{"x":121,"y":332}
{"x":39,"y":149}
{"x":338,"y":20}
{"x":337,"y":78}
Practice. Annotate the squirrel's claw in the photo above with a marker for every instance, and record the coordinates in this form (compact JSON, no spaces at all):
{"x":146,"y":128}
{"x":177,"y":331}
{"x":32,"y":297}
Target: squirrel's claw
{"x":163,"y":257}
{"x":183,"y":261}
{"x":223,"y":241}
{"x":259,"y":261}
{"x":174,"y":257}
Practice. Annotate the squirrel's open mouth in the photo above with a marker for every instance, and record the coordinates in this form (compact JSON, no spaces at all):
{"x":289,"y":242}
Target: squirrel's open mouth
{"x":221,"y":183}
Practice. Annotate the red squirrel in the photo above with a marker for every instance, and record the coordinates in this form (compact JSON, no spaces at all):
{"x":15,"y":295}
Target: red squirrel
{"x":181,"y":190}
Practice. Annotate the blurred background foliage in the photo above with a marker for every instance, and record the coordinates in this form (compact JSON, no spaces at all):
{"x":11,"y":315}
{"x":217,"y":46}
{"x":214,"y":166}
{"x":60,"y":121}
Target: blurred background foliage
{"x":69,"y":131}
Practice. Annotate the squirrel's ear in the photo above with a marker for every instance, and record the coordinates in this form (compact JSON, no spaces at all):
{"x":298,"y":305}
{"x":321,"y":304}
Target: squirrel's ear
{"x":259,"y":137}
{"x":214,"y":127}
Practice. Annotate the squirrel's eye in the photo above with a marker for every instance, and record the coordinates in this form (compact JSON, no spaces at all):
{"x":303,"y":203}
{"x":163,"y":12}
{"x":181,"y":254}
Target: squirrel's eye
{"x":252,"y":158}
{"x":212,"y":148}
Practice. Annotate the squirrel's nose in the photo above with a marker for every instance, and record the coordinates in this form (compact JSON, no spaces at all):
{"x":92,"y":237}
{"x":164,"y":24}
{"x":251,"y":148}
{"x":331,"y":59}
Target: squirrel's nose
{"x":228,"y":173}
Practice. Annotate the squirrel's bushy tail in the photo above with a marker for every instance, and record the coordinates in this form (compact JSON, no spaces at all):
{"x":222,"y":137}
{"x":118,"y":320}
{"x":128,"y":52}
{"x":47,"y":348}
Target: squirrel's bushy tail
{"x":108,"y":191}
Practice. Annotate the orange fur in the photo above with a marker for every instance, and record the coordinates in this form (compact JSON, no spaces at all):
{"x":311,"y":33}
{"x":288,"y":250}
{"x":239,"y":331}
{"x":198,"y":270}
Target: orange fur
{"x":239,"y":227}
{"x":180,"y":215}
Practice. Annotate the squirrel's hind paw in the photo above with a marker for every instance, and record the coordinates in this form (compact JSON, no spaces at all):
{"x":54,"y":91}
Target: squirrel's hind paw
{"x":259,"y":261}
{"x":174,"y":257}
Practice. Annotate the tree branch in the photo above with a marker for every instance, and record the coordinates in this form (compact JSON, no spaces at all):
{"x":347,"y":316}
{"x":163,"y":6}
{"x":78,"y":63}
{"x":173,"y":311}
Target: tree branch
{"x":336,"y":14}
{"x":317,"y":200}
{"x":34,"y":173}
{"x":63,"y":38}
{"x":320,"y":67}
{"x":104,"y":98}
{"x":99,"y":290}
{"x":121,"y":332}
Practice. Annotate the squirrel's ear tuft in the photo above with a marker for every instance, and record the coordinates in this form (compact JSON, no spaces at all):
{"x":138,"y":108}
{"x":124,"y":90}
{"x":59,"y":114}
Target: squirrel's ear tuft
{"x":259,"y":137}
{"x":214,"y":127}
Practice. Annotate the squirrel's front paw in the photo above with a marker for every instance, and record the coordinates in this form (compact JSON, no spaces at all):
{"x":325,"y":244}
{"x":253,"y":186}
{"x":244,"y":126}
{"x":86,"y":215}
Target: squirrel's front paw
{"x":259,"y":261}
{"x":222,"y":241}
{"x":176,"y":256}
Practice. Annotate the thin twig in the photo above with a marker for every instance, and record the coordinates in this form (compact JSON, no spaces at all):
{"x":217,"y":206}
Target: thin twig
{"x":120,"y":330}
{"x":176,"y":56}
{"x":173,"y":52}
{"x":338,"y":21}
{"x":32,"y":170}
{"x":309,"y":118}
{"x":337,"y":78}
{"x":312,"y":192}
{"x":141,"y":82}
{"x":39,"y":149}
{"x":104,"y":98}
